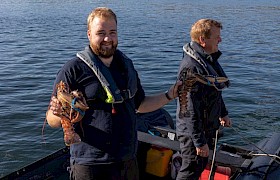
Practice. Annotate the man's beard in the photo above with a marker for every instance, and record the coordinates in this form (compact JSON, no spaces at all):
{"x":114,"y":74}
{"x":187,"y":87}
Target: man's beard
{"x":104,"y":52}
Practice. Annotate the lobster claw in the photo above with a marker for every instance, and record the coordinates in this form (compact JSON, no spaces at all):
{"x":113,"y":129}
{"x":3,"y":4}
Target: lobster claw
{"x":74,"y":107}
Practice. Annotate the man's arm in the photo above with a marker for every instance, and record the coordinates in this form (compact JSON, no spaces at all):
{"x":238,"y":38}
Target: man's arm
{"x":152,"y":103}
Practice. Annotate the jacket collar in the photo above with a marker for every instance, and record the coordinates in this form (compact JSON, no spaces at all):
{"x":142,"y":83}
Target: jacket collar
{"x":198,"y":48}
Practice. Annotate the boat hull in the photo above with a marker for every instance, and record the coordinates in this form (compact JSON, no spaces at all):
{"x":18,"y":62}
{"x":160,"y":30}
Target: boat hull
{"x":243,"y":165}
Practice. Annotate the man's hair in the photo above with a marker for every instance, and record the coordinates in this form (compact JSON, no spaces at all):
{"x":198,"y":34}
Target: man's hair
{"x":203,"y":28}
{"x":101,"y":12}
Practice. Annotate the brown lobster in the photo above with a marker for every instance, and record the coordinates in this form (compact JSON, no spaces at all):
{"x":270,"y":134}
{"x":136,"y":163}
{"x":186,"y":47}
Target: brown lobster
{"x":188,"y":79}
{"x":73,"y":109}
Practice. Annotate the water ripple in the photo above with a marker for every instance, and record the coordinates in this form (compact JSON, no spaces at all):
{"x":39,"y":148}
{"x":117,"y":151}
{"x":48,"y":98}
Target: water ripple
{"x":38,"y":37}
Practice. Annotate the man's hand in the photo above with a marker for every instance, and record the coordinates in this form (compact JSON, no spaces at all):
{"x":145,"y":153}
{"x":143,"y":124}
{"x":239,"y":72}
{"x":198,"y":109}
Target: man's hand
{"x":202,"y":151}
{"x":53,"y":115}
{"x":55,"y":106}
{"x":173,"y":90}
{"x":225,"y":121}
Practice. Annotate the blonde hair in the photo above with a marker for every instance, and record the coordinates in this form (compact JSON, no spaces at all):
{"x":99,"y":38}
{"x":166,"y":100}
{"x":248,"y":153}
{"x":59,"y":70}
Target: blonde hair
{"x":203,"y":28}
{"x":101,"y":12}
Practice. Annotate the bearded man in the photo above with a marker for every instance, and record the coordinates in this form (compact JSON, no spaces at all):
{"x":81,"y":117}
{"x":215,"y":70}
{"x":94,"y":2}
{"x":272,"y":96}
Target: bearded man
{"x":113,"y":92}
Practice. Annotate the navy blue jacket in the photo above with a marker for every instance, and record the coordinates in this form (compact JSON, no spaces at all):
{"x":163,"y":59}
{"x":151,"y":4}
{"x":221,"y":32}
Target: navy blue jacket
{"x":205,"y":103}
{"x":106,"y":137}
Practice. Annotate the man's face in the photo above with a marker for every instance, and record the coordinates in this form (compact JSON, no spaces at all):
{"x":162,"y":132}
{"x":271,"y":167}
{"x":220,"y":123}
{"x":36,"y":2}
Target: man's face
{"x":103,"y":37}
{"x":211,"y":44}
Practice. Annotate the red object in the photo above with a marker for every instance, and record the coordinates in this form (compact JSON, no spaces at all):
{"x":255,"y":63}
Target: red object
{"x":113,"y":109}
{"x":221,"y":173}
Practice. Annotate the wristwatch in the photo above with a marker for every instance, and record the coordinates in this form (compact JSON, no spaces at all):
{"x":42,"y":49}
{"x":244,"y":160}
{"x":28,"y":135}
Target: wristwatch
{"x":167,"y":95}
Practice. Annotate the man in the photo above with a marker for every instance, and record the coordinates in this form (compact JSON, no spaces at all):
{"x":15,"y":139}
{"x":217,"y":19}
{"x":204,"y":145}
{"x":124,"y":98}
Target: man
{"x":198,"y":119}
{"x":114,"y":94}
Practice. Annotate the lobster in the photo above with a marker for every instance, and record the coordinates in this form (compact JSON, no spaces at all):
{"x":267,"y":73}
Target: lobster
{"x":73,"y":109}
{"x":188,"y":78}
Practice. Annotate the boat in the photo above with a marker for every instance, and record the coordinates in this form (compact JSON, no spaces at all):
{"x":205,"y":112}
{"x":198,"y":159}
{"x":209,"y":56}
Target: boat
{"x":158,"y":157}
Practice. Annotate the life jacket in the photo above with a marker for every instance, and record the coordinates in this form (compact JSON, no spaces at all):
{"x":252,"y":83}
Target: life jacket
{"x":213,"y":73}
{"x":114,"y":95}
{"x":101,"y":143}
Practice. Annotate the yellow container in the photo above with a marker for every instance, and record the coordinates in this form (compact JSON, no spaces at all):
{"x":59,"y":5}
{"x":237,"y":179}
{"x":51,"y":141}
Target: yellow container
{"x":158,"y":161}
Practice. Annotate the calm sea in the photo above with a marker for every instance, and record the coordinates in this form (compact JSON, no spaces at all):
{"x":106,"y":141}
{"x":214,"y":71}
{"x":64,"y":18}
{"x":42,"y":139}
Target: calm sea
{"x":38,"y":36}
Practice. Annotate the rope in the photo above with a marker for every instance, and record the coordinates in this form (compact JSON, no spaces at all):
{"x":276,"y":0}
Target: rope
{"x":214,"y":155}
{"x":265,"y":154}
{"x":211,"y":80}
{"x":275,"y":157}
{"x":76,"y":109}
{"x":270,"y":155}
